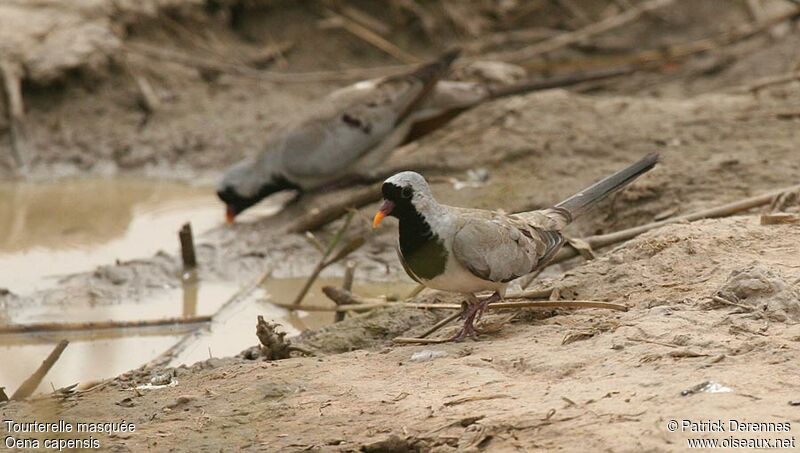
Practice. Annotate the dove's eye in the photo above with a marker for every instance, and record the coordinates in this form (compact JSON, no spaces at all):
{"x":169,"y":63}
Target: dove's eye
{"x":407,"y":192}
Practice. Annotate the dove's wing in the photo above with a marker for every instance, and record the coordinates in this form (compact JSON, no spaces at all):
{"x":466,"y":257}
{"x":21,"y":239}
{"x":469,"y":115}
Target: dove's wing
{"x":503,"y":248}
{"x":353,"y":121}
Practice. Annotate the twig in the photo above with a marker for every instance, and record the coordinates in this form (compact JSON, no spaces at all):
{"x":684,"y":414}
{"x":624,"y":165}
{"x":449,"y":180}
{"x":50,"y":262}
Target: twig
{"x":205,"y":63}
{"x":29,"y":385}
{"x":441,"y":324}
{"x":365,"y":305}
{"x":343,"y":308}
{"x":415,"y":292}
{"x":424,"y":17}
{"x":527,"y":280}
{"x":99,"y":325}
{"x":765,"y":82}
{"x":311,"y":239}
{"x":324,"y":260}
{"x":371,"y":37}
{"x":645,"y":340}
{"x":148,"y":99}
{"x":319,"y":217}
{"x":269,"y":54}
{"x":605,"y":240}
{"x":565,"y":39}
{"x":557,"y":82}
{"x":187,"y":247}
{"x":166,"y":356}
{"x":724,"y":301}
{"x":779,"y":219}
{"x":575,"y":10}
{"x":347,"y":285}
{"x":15,"y":108}
{"x":559,"y":304}
{"x":365,"y":19}
{"x":406,"y":340}
{"x":507,"y":37}
{"x":342,"y":296}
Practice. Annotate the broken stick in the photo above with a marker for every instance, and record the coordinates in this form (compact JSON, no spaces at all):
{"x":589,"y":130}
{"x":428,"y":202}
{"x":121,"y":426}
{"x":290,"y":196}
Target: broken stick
{"x":326,"y":260}
{"x":98,"y":325}
{"x":29,"y":386}
{"x":187,"y":247}
{"x":11,"y":76}
{"x":725,"y":210}
{"x":566,"y":39}
{"x":347,"y":285}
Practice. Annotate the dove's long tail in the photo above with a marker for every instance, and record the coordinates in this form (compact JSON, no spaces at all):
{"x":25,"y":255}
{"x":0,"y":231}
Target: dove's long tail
{"x":429,"y":74}
{"x":587,"y":198}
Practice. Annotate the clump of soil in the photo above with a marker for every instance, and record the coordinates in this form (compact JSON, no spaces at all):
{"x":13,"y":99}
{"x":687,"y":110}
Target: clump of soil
{"x":765,"y":290}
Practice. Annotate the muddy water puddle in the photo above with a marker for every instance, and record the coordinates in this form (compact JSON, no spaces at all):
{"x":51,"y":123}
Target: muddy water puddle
{"x":48,"y":230}
{"x":98,"y":354}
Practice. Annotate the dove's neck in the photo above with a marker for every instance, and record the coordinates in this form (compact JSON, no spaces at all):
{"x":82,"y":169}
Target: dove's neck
{"x":422,"y":239}
{"x":415,"y":232}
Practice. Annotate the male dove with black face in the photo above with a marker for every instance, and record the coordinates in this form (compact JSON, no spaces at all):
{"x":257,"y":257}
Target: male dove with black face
{"x":353,"y":128}
{"x":473,"y":250}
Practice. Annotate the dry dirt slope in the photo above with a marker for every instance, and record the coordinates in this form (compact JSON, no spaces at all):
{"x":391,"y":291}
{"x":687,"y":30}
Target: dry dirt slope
{"x":611,"y":386}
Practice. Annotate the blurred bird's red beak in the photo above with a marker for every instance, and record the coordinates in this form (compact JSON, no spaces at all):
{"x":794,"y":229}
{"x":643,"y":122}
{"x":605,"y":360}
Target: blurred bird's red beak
{"x":230,"y":214}
{"x":385,"y":209}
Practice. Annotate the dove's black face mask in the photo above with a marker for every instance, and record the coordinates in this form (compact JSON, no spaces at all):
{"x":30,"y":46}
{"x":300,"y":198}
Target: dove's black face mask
{"x":400,"y":199}
{"x":237,"y":203}
{"x":423,"y":251}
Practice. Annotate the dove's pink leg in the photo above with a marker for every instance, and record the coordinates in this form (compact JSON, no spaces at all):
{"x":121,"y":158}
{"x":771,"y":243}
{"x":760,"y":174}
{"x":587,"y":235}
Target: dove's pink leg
{"x":472,"y":314}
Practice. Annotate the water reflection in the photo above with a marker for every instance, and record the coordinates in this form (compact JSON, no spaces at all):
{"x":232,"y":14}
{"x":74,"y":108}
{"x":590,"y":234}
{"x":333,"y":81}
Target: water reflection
{"x":51,"y":229}
{"x":98,"y":354}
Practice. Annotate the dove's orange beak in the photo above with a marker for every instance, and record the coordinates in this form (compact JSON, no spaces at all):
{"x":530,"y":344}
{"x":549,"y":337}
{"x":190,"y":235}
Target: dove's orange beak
{"x":385,"y":209}
{"x":230,"y":215}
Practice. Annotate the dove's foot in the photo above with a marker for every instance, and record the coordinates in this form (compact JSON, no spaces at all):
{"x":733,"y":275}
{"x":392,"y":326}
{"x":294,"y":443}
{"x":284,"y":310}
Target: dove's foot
{"x":471,"y":315}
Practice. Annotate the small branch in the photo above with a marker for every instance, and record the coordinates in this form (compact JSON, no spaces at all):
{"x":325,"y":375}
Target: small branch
{"x":319,"y":217}
{"x":499,"y":39}
{"x":368,"y":304}
{"x":371,"y":37}
{"x":269,"y":54}
{"x":406,"y":340}
{"x":766,"y":82}
{"x":29,"y":386}
{"x":167,"y":356}
{"x":148,"y":99}
{"x":557,"y":82}
{"x":415,"y":292}
{"x":575,"y":10}
{"x":724,"y":301}
{"x":527,"y":280}
{"x":779,"y":219}
{"x":441,"y":324}
{"x":566,"y":39}
{"x":324,"y":260}
{"x":187,"y":247}
{"x":205,"y":63}
{"x":725,"y":210}
{"x":99,"y":325}
{"x":341,"y":308}
{"x":559,"y":304}
{"x":12,"y":89}
{"x":347,"y":285}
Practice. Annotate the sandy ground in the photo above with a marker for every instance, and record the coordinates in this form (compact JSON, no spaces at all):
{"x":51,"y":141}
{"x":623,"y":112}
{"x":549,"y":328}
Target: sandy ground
{"x":611,"y":381}
{"x":550,"y":379}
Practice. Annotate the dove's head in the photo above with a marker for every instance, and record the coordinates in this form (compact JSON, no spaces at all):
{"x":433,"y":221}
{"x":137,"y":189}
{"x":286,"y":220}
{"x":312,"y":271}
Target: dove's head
{"x":405,"y":193}
{"x":245,"y":184}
